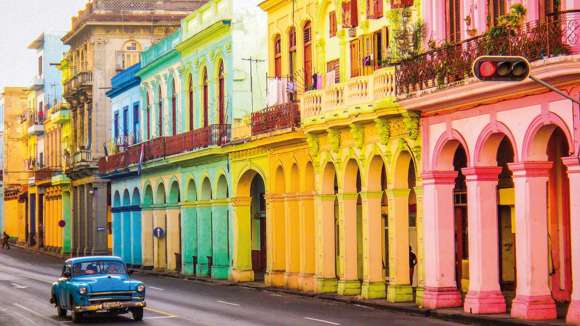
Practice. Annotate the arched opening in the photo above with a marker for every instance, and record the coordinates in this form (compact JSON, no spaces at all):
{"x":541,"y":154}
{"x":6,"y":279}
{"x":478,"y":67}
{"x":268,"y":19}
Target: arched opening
{"x":190,"y":102}
{"x":191,"y":191}
{"x":559,"y":246}
{"x":460,"y":221}
{"x":160,"y":195}
{"x":205,"y":98}
{"x":148,"y":198}
{"x":221,"y":94}
{"x":160,"y":112}
{"x":173,"y":108}
{"x":277,"y":56}
{"x":258,"y":226}
{"x":174,"y":194}
{"x":307,"y":34}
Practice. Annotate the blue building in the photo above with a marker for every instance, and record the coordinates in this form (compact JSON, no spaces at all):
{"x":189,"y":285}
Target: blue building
{"x":125,"y":183}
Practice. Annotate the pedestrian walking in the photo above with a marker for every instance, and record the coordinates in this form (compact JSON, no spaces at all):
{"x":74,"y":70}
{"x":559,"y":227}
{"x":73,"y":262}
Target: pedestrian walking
{"x":412,"y":263}
{"x":5,"y":238}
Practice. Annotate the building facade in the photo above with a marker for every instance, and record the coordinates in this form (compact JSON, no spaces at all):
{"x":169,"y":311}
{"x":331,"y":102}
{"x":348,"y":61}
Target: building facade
{"x":15,"y":173}
{"x":105,"y":37}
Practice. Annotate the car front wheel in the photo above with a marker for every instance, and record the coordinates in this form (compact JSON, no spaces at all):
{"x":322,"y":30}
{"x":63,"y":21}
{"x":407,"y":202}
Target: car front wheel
{"x":137,"y":314}
{"x":77,"y":317}
{"x":61,"y":312}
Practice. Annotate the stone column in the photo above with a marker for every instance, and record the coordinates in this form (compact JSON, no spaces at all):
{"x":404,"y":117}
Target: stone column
{"x":292,"y":239}
{"x":484,"y":296}
{"x":440,"y":286}
{"x":420,"y":247}
{"x":275,"y":244}
{"x":374,"y":284}
{"x":573,"y":164}
{"x":325,"y":244}
{"x":160,"y":244}
{"x":242,"y":257}
{"x":220,"y":230}
{"x":172,"y":236}
{"x":533,"y":298}
{"x":399,"y":289}
{"x":205,"y":238}
{"x":306,"y":280}
{"x":348,"y":284}
{"x":188,"y":237}
{"x":147,"y":237}
{"x":97,"y":213}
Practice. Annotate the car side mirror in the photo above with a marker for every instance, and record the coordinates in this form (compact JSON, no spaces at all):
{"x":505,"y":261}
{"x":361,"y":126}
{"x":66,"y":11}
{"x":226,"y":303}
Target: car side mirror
{"x":67,"y":274}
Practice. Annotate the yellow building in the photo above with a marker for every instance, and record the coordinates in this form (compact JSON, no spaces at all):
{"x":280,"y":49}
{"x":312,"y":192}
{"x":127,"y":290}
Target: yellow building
{"x":14,"y":106}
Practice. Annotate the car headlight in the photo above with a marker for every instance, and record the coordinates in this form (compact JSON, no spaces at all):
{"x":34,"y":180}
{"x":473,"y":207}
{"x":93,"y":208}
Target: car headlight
{"x":83,"y":290}
{"x":141,"y":288}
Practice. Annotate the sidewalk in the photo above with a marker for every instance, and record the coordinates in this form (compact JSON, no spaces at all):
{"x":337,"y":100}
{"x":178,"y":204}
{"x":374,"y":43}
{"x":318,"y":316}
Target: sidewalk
{"x":455,"y":314}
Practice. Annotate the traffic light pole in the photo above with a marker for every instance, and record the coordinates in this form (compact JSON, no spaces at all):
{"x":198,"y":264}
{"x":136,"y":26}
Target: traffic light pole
{"x":553,"y":88}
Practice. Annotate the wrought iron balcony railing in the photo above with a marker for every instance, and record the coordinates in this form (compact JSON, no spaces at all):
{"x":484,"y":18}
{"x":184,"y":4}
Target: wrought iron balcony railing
{"x":161,"y":147}
{"x":554,"y":36}
{"x":278,"y":117}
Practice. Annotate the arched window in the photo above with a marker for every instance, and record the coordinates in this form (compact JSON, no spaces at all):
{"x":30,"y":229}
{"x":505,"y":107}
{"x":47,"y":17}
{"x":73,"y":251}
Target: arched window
{"x":173,"y":109}
{"x":453,"y":20}
{"x":148,"y":116}
{"x":190,"y":102}
{"x":129,"y":55}
{"x":205,"y":98}
{"x":278,"y":56}
{"x":221,"y":94}
{"x":308,"y":80}
{"x":160,"y":113}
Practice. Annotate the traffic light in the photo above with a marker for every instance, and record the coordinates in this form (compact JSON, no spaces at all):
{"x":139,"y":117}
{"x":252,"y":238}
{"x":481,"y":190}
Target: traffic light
{"x":501,"y":68}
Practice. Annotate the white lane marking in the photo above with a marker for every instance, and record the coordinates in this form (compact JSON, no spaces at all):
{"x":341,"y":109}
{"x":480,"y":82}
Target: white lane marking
{"x":18,"y":286}
{"x":322,"y":321}
{"x":160,"y":312}
{"x":159,"y":317}
{"x":33,"y":312}
{"x":275,"y":294}
{"x":32,"y":322}
{"x":228,"y":303}
{"x":364,"y":307}
{"x":156,"y":288}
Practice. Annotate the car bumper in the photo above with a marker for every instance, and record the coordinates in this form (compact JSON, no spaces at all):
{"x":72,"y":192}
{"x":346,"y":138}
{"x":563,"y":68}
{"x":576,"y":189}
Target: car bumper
{"x":114,"y":305}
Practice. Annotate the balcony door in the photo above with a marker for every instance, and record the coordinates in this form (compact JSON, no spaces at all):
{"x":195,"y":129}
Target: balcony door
{"x":453,"y":20}
{"x":205,"y":98}
{"x":221,"y":94}
{"x":307,"y":56}
{"x":173,"y":109}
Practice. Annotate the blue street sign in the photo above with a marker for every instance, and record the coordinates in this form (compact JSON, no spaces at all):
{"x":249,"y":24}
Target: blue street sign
{"x":158,"y":232}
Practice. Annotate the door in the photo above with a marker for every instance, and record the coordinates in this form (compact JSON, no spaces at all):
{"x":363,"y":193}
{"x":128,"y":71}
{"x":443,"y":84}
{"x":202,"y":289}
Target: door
{"x":41,"y":220}
{"x":355,"y":61}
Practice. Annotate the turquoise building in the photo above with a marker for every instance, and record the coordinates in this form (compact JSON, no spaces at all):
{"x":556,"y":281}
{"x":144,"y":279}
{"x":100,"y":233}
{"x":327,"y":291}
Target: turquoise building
{"x":125,"y":97}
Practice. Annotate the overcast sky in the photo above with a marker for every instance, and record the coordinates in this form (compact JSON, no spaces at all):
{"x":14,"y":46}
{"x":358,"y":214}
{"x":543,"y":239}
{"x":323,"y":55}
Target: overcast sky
{"x":21,"y":21}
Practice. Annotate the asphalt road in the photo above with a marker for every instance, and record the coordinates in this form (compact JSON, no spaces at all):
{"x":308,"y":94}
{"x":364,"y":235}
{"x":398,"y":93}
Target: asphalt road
{"x":25,"y":280}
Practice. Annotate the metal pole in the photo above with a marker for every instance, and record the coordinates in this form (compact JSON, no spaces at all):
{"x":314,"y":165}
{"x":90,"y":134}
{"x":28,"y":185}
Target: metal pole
{"x":553,"y":88}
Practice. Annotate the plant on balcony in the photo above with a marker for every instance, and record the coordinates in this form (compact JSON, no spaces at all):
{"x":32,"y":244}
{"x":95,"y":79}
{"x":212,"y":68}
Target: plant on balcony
{"x":407,"y":35}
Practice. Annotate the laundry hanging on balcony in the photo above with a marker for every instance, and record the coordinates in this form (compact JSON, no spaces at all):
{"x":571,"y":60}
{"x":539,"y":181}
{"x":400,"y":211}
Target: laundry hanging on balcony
{"x":278,"y":90}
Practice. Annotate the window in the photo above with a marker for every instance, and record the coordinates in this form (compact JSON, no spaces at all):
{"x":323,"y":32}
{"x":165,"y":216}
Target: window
{"x":549,"y":8}
{"x":190,"y":102}
{"x":355,"y":58}
{"x":453,"y":19}
{"x":160,"y":113}
{"x":333,"y":67}
{"x":496,"y":9}
{"x":374,"y":9}
{"x":40,"y":66}
{"x":332,"y":24}
{"x":173,"y":109}
{"x":136,"y":122}
{"x":278,"y":56}
{"x":128,"y":56}
{"x":380,"y":46}
{"x":292,"y":57}
{"x":205,"y":98}
{"x":350,"y":14}
{"x":125,"y":123}
{"x":401,"y":3}
{"x":99,"y":267}
{"x":221,"y":94}
{"x":116,"y":126}
{"x":308,"y":80}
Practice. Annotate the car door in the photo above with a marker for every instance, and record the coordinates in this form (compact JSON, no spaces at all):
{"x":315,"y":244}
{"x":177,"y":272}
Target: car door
{"x":63,"y":297}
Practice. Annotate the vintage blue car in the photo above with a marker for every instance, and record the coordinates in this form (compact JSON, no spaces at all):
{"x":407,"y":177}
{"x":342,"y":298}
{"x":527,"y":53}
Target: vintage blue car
{"x":97,"y":284}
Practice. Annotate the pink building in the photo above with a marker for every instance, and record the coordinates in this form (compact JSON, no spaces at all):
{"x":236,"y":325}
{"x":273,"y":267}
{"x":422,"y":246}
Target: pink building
{"x":501,"y":167}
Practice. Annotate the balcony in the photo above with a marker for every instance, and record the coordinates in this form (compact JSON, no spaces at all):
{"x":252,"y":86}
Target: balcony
{"x":166,"y":146}
{"x":358,"y":91}
{"x":82,"y":81}
{"x":43,"y":174}
{"x":274,"y":118}
{"x":36,"y":129}
{"x":448,"y":65}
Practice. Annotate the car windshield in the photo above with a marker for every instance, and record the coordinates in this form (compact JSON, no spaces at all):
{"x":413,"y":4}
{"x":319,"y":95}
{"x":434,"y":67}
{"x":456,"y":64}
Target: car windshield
{"x":98,"y":268}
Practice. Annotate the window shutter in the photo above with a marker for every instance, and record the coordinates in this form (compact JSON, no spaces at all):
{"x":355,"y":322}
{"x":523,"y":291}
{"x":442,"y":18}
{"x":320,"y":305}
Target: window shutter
{"x":332,"y":23}
{"x":385,"y":42}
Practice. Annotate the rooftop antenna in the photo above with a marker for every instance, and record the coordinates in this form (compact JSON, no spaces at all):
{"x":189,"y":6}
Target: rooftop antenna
{"x":252,"y":61}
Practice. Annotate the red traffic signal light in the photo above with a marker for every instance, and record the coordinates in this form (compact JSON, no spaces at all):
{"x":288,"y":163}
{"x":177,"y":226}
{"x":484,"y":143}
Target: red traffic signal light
{"x":501,"y":68}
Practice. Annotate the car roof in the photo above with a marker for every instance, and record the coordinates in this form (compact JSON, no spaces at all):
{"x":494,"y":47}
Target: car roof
{"x":93,"y":258}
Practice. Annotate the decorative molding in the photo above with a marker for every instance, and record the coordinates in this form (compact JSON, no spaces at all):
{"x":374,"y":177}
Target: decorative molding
{"x":334,"y":139}
{"x":411,"y":121}
{"x":313,"y":145}
{"x":384,"y":130}
{"x":357,"y":133}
